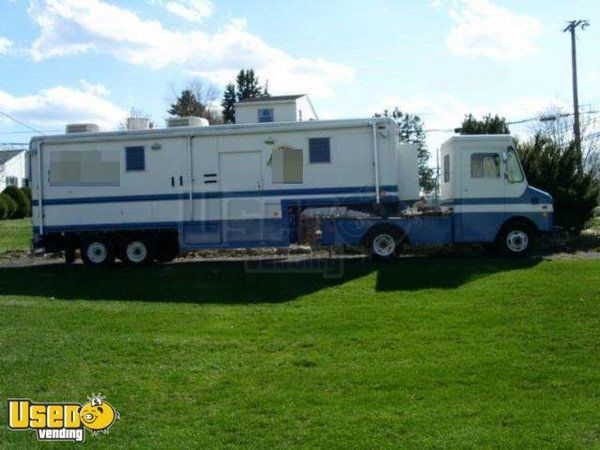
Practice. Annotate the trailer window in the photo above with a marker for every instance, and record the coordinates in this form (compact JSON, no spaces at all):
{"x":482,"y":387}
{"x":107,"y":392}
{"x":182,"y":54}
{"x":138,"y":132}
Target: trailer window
{"x":266,"y":115}
{"x":135,"y":159}
{"x":85,"y":168}
{"x":485,"y":165}
{"x":288,"y":166}
{"x":447,"y":169}
{"x":319,"y":150}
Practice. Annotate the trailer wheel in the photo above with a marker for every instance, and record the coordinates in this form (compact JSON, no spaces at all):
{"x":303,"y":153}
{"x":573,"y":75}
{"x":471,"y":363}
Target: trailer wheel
{"x":97,"y":251}
{"x":515,"y":240}
{"x":138,"y":251}
{"x":384,"y":243}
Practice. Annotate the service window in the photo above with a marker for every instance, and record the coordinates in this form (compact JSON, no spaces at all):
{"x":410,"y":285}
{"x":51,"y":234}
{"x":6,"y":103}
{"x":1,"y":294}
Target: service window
{"x":513,"y":167}
{"x":85,"y":168}
{"x":447,"y":169}
{"x":485,"y":165}
{"x":288,"y":166}
{"x":319,"y":150}
{"x":135,"y":159}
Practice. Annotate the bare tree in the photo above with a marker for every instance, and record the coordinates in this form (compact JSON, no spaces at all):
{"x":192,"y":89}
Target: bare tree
{"x":557,"y":124}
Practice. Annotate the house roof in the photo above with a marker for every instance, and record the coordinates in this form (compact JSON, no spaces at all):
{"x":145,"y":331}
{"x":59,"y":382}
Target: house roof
{"x":273,"y":98}
{"x":7,"y":155}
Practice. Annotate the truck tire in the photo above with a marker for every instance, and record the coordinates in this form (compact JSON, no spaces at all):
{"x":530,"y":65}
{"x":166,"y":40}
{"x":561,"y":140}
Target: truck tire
{"x":384,"y":243}
{"x":97,"y":251}
{"x":138,"y":251}
{"x":515,"y":240}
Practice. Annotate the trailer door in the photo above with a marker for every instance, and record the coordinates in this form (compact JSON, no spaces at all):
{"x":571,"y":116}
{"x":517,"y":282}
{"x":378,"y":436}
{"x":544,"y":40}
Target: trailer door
{"x":242,"y":207}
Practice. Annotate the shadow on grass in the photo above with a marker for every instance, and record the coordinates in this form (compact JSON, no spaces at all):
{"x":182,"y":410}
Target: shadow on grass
{"x":232,"y":283}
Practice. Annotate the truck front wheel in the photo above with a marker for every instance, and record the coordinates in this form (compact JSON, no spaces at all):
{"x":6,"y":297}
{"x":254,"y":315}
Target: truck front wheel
{"x":515,"y":240}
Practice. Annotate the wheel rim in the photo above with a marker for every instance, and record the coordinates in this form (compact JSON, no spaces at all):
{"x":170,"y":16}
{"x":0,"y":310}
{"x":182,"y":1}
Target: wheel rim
{"x":97,"y":252}
{"x":136,"y":252}
{"x":517,"y":241}
{"x":384,"y":245}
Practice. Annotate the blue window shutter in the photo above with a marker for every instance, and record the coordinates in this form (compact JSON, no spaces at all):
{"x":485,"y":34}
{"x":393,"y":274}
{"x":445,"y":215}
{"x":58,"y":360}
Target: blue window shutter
{"x":135,"y":159}
{"x":319,"y":150}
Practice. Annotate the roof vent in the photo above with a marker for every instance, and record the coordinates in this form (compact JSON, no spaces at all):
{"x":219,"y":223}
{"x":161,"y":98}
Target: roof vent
{"x":82,"y":128}
{"x":176,"y":122}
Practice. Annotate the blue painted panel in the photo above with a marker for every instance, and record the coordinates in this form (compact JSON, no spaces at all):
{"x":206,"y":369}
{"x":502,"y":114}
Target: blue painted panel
{"x":234,"y":233}
{"x":216,"y":195}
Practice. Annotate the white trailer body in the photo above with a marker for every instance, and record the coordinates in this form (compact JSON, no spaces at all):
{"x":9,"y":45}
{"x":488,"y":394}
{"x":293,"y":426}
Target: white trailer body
{"x":217,"y":186}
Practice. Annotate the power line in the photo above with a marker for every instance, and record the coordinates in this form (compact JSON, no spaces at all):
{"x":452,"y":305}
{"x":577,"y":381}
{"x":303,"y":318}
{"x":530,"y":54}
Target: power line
{"x":21,"y":123}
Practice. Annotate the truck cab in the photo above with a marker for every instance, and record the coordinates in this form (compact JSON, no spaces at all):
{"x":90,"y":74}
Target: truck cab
{"x":483,"y":184}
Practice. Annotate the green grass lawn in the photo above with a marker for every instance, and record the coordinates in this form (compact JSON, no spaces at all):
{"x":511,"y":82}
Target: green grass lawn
{"x":15,"y":234}
{"x":419,"y":354}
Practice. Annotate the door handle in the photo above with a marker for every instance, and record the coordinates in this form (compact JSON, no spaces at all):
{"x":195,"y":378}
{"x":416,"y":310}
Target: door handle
{"x":172,"y":181}
{"x":180,"y":181}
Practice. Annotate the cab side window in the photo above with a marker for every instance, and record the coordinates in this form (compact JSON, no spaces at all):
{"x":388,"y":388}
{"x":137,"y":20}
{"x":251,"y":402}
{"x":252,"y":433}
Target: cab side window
{"x":485,"y":165}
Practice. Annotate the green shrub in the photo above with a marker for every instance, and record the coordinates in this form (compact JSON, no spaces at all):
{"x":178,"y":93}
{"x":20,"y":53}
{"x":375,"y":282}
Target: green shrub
{"x":561,"y":172}
{"x":21,"y":200}
{"x":3,"y":209}
{"x":11,"y":206}
{"x":27,"y":192}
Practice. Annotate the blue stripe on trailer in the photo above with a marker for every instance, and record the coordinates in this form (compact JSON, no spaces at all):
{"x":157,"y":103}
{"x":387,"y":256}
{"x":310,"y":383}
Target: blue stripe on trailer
{"x":214,"y":195}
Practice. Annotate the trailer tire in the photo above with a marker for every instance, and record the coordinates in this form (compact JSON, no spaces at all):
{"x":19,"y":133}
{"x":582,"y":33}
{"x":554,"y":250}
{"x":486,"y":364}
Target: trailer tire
{"x":515,"y":240}
{"x":138,"y":251}
{"x":97,"y":251}
{"x":384,"y":243}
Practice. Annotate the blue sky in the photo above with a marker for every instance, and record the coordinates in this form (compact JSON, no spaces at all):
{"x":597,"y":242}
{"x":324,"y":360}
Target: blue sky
{"x":93,"y":60}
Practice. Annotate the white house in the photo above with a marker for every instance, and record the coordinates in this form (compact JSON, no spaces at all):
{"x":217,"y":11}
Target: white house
{"x":283,"y":108}
{"x":14,"y":170}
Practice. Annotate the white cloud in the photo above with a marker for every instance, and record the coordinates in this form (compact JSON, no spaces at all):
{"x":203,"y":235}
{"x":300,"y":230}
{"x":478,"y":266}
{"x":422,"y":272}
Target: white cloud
{"x":95,"y":88}
{"x":192,"y":10}
{"x":60,"y":105}
{"x":5,"y":45}
{"x":484,"y":29}
{"x":70,"y":27}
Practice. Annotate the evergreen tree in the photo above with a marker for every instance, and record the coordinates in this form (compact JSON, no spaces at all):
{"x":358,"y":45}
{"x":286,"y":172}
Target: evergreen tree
{"x":187,"y":105}
{"x":561,"y":172}
{"x":247,"y":86}
{"x":228,"y":104}
{"x":488,"y":125}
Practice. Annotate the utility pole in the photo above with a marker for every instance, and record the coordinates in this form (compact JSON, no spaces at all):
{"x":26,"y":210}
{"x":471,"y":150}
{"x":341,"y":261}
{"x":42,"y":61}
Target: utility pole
{"x":572,"y":28}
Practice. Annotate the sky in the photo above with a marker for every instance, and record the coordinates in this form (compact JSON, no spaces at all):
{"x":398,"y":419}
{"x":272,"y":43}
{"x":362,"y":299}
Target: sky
{"x":66,"y":61}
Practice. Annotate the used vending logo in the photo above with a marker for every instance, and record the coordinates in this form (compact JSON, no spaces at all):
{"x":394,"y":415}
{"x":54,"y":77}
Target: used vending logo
{"x":62,"y":421}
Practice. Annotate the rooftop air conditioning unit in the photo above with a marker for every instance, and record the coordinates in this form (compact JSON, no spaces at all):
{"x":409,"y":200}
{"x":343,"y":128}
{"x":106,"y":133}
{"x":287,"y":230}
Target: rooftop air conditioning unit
{"x":82,"y":128}
{"x":176,"y":122}
{"x":138,"y":124}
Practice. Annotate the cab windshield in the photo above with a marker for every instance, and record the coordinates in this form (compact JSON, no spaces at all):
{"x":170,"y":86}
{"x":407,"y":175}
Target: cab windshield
{"x":514,"y":172}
